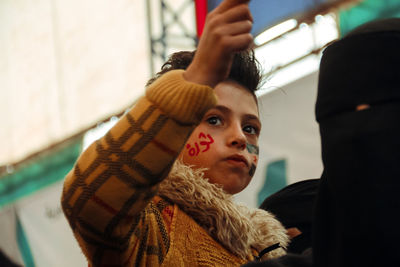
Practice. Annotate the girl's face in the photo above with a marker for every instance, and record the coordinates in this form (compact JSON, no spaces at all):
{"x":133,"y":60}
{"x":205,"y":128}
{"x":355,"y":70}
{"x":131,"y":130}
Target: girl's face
{"x":226,"y":140}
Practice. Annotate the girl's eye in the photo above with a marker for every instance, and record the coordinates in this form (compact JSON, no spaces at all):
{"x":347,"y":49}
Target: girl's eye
{"x":214,"y":120}
{"x":250,"y":129}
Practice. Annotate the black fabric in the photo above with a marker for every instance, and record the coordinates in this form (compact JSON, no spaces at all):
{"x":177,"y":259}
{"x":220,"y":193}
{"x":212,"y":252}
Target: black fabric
{"x":289,"y":260}
{"x":356,"y":215}
{"x":361,"y":68}
{"x":293,"y":204}
{"x":5,"y":261}
{"x":293,"y":207}
{"x":301,"y":242}
{"x":268,"y":249}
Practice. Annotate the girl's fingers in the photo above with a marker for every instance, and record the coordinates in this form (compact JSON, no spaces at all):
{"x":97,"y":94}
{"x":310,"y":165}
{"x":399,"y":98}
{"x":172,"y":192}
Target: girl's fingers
{"x":236,"y":28}
{"x":227,"y":4}
{"x":226,"y":31}
{"x":237,"y":13}
{"x":239,"y":42}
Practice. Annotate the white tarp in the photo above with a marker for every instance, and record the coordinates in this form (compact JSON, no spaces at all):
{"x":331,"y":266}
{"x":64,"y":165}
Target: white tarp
{"x":48,"y":233}
{"x":8,"y":232}
{"x":49,"y":239}
{"x":64,"y":65}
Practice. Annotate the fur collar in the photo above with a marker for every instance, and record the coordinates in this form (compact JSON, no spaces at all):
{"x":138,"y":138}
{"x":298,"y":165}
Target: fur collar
{"x":235,"y":226}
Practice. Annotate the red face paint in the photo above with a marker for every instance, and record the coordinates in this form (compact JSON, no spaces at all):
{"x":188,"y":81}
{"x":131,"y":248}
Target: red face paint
{"x":205,"y":145}
{"x":193,"y":151}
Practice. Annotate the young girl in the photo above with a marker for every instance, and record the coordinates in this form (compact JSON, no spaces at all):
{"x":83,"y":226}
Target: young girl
{"x":157,"y":189}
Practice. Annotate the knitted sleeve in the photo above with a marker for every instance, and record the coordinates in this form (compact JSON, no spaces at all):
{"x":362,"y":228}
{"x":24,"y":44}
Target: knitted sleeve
{"x":108,"y":195}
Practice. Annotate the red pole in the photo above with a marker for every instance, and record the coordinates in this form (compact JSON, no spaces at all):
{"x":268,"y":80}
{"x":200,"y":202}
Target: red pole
{"x":201,"y":13}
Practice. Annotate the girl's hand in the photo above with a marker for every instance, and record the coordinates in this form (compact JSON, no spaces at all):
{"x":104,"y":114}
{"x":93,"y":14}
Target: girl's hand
{"x":226,"y":31}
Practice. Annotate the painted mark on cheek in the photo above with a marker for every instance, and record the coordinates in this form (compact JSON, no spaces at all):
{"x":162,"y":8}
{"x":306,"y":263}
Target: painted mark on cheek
{"x":252,"y":170}
{"x":194,"y":150}
{"x":255,"y":159}
{"x":207,"y":143}
{"x":253,"y":149}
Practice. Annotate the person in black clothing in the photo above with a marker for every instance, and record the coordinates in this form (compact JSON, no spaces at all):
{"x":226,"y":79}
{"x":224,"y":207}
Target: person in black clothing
{"x":293,"y":207}
{"x":358,"y":111}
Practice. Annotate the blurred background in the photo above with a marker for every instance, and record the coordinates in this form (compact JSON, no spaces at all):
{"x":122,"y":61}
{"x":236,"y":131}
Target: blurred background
{"x":69,"y":69}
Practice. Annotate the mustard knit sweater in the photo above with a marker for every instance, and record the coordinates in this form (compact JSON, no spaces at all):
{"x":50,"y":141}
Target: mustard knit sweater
{"x":110,"y":196}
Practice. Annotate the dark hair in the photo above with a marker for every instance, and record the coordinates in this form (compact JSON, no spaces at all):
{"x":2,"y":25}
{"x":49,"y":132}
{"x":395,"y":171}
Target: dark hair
{"x":245,"y":69}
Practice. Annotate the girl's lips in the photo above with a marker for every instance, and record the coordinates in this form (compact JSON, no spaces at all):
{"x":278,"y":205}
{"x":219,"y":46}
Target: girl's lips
{"x":237,"y":160}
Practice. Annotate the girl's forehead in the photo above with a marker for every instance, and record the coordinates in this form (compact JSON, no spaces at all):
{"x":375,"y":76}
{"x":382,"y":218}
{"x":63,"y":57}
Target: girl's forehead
{"x":236,"y":97}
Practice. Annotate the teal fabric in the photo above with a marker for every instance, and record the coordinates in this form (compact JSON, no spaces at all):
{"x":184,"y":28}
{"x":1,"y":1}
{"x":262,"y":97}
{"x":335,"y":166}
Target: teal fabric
{"x":366,"y":11}
{"x":23,"y":245}
{"x":40,"y":172}
{"x":275,"y":180}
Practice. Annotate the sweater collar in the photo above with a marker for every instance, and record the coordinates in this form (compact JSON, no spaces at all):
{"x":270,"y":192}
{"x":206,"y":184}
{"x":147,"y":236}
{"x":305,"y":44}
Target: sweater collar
{"x":235,"y":226}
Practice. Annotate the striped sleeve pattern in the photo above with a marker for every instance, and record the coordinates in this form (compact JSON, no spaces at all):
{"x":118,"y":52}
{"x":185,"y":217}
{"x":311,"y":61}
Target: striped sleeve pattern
{"x":109,"y":195}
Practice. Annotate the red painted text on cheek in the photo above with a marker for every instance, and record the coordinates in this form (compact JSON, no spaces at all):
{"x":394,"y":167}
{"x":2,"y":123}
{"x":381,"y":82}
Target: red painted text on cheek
{"x":201,"y":146}
{"x":255,"y":159}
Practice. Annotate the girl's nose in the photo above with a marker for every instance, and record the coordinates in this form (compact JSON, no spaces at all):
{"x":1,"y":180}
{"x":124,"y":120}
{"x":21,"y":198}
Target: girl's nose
{"x":236,"y":137}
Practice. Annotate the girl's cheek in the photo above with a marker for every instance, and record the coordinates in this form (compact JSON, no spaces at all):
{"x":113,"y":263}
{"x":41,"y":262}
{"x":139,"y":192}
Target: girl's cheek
{"x":201,"y":145}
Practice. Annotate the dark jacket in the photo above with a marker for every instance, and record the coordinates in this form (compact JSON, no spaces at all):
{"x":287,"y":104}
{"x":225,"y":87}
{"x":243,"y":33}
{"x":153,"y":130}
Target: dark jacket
{"x":5,"y":261}
{"x":358,"y":111}
{"x":289,"y":260}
